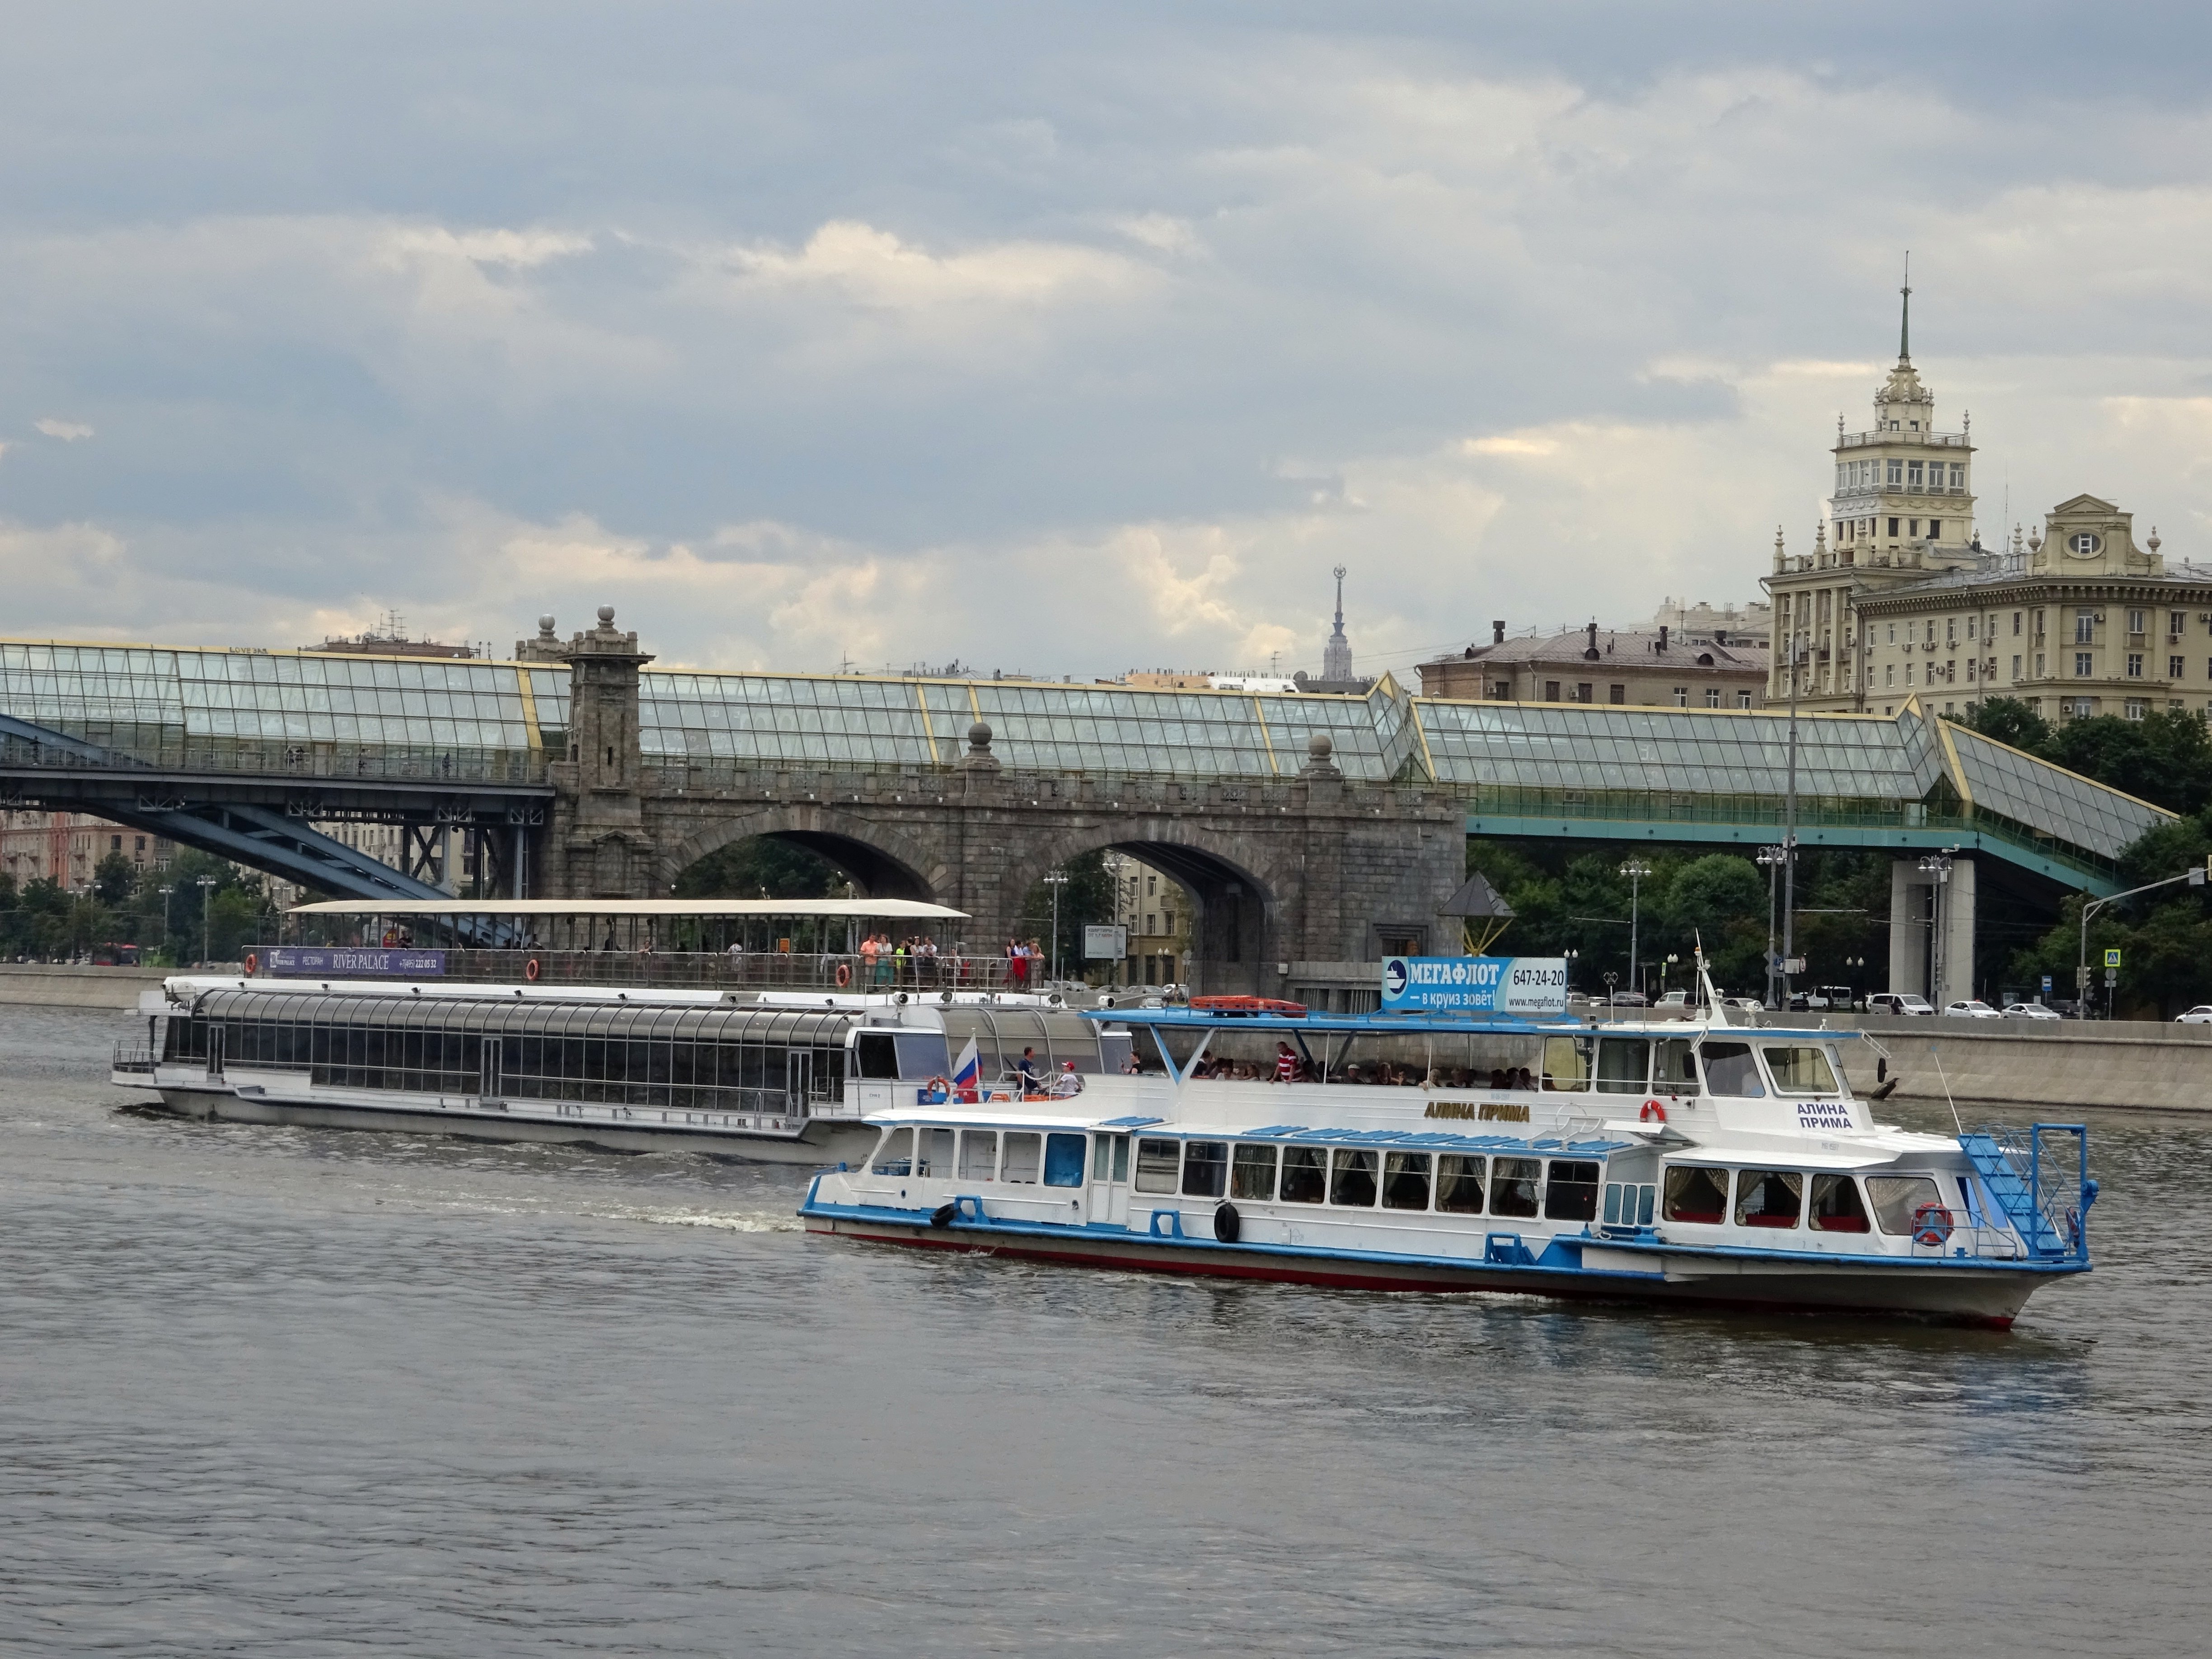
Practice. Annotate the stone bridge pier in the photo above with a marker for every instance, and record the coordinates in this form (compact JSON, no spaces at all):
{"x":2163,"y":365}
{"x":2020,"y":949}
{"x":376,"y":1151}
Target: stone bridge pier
{"x":1308,"y":868}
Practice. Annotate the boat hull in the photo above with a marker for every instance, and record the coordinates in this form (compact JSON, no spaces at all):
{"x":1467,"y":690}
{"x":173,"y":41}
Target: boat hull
{"x":1974,"y":1296}
{"x":818,"y":1144}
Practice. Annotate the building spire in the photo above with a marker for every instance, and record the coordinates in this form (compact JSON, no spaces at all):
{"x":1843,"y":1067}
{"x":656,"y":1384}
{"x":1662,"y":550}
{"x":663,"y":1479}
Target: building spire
{"x":1904,"y":320}
{"x":1336,"y":654}
{"x":1339,"y":601}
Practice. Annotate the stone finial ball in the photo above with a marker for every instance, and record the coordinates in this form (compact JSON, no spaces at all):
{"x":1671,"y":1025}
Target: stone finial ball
{"x":545,"y":624}
{"x":1318,"y":746}
{"x":979,"y":735}
{"x":606,"y":615}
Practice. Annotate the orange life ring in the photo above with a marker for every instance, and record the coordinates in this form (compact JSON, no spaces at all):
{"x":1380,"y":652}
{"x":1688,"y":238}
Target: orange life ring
{"x":252,"y":962}
{"x":1931,"y":1227}
{"x":844,"y":975}
{"x":1653,"y":1112}
{"x":530,"y":970}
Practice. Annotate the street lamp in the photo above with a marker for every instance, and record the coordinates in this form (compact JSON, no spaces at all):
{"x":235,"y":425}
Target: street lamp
{"x":1938,"y":864}
{"x":1771,"y":859}
{"x":1055,"y":879}
{"x":166,"y":889}
{"x":1610,"y":979}
{"x":1635,"y":870}
{"x":207,"y":884}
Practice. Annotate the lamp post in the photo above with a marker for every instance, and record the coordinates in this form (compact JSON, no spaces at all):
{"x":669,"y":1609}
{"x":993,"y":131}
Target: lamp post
{"x":1938,"y":864}
{"x":1055,"y":879}
{"x":1771,"y":859}
{"x":164,"y":889}
{"x":1635,"y":870}
{"x":207,"y":884}
{"x":1610,"y":979}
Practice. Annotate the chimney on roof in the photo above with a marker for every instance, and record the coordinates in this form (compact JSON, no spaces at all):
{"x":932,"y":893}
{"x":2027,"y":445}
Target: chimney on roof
{"x":1497,"y":633}
{"x":1589,"y":651}
{"x":1662,"y":636}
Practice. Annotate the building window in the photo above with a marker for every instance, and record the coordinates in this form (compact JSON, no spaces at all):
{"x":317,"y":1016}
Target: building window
{"x":2015,"y":624}
{"x":1889,"y":674}
{"x":2136,"y":620}
{"x":1743,"y":699}
{"x":115,"y":843}
{"x":1618,"y":693}
{"x":1551,"y":691}
{"x":1713,"y":696}
{"x":1912,"y":475}
{"x":2136,"y":708}
{"x":1892,"y":523}
{"x":1951,"y":672}
{"x":2015,"y":668}
{"x":2082,"y":669}
{"x":1681,"y":696}
{"x":1950,"y":632}
{"x":2085,"y":628}
{"x":2173,"y":623}
{"x":2085,"y":543}
{"x":2040,"y":669}
{"x":1892,"y":634}
{"x":2175,"y":668}
{"x":1958,"y":475}
{"x":1935,"y":530}
{"x":2134,"y":664}
{"x":1896,"y":477}
{"x":1908,"y":674}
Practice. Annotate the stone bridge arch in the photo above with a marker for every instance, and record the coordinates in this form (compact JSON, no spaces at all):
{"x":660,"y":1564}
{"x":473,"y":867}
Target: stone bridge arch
{"x":885,"y":860}
{"x":1241,"y":893}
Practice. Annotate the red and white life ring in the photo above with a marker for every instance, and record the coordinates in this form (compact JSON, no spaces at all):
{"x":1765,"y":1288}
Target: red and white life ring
{"x":844,"y":975}
{"x":252,"y":962}
{"x":530,"y":970}
{"x":1931,"y":1227}
{"x":1653,"y":1112}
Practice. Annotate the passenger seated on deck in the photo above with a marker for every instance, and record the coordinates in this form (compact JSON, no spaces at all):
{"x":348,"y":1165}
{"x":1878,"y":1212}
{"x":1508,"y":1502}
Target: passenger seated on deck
{"x":1350,"y":1075}
{"x":1498,"y":1077}
{"x":1524,"y":1078}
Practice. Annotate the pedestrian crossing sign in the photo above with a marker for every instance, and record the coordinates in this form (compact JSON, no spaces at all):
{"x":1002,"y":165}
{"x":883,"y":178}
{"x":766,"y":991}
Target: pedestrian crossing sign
{"x":2111,"y":958}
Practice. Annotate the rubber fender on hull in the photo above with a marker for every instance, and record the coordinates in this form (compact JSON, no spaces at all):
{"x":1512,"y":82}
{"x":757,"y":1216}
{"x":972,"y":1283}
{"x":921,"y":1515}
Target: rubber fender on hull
{"x":1227,"y":1223}
{"x":943,"y":1214}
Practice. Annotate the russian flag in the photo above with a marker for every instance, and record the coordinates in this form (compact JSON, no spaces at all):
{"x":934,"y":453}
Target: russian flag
{"x":967,"y":1072}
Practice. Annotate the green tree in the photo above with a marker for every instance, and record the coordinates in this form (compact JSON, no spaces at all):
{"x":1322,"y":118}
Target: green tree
{"x":115,"y":879}
{"x":1085,"y":897}
{"x":1719,"y":901}
{"x":761,"y":867}
{"x":2009,"y":720}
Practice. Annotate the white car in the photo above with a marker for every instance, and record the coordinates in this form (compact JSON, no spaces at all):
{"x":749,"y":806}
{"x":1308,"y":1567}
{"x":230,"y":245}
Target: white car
{"x":2032,"y":1011}
{"x":2200,"y":1015}
{"x":1898,"y":1002}
{"x":1972,"y":1008}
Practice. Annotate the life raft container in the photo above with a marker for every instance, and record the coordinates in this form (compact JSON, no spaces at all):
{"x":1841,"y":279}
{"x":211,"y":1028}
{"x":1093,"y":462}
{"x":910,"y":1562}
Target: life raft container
{"x":1246,"y":1005}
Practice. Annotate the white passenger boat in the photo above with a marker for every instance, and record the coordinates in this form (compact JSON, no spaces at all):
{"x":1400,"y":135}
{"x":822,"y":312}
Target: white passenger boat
{"x":780,"y":1076}
{"x":1684,"y":1160}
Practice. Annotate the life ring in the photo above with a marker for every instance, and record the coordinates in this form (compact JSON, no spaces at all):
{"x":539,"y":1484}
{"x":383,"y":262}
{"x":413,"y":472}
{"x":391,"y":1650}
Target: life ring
{"x":530,"y":970}
{"x":938,"y":1089}
{"x":1931,"y":1227}
{"x":1653,"y":1112}
{"x":252,"y":962}
{"x":844,"y":975}
{"x":1227,"y":1223}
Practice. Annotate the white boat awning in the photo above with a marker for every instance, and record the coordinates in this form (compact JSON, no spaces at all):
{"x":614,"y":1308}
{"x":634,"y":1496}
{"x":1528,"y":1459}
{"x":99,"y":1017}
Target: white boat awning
{"x":858,"y":909}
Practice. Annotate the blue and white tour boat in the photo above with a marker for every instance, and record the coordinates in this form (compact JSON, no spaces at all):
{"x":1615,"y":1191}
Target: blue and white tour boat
{"x":1700,"y":1161}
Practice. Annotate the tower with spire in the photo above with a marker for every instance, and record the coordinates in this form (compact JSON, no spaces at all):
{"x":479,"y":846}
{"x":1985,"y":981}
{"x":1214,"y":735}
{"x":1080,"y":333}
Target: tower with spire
{"x":1336,"y":655}
{"x":1901,"y":511}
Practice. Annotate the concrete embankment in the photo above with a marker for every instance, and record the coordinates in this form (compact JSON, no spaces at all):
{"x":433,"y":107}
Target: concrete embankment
{"x":2051,"y":1069}
{"x":72,"y":985}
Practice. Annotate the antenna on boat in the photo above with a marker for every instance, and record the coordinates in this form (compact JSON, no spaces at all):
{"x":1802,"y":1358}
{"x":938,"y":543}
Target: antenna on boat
{"x":1719,"y":1014}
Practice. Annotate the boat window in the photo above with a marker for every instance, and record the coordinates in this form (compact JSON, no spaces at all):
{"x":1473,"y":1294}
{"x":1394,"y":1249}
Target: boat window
{"x":1157,"y":1162}
{"x":1352,"y":1178}
{"x":1836,"y":1206}
{"x":1895,"y":1197}
{"x":875,"y":1054}
{"x":1113,"y":1162}
{"x":1566,"y":1064}
{"x":1305,"y":1173}
{"x":1571,"y":1193}
{"x":1513,"y":1186}
{"x":1459,"y":1183}
{"x":936,"y":1153}
{"x":1024,"y":1153}
{"x":895,"y":1156}
{"x":979,"y":1154}
{"x":1798,"y":1071}
{"x":1675,"y":1066}
{"x":1405,"y":1181}
{"x":1063,"y":1160}
{"x":1769,"y":1198}
{"x":1205,"y":1169}
{"x":1253,"y":1173}
{"x":1624,"y":1065}
{"x":1627,"y":1205}
{"x":1696,"y":1194}
{"x":923,"y":1056}
{"x":1730,"y":1070}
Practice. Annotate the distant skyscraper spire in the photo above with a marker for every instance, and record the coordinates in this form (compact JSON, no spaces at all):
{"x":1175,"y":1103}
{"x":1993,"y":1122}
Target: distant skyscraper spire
{"x":1904,"y":320}
{"x":1336,"y":655}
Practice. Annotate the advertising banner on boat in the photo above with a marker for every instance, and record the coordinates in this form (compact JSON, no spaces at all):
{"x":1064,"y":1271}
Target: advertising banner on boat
{"x":352,"y":962}
{"x":1474,"y":985}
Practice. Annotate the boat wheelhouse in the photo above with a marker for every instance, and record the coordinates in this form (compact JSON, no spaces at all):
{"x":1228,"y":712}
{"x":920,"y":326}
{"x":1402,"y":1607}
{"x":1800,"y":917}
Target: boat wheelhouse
{"x":781,"y":1077}
{"x":1675,"y":1161}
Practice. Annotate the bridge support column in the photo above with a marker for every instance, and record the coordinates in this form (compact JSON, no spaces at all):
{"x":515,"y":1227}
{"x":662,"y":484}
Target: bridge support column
{"x":1908,"y":929}
{"x":1931,"y":931}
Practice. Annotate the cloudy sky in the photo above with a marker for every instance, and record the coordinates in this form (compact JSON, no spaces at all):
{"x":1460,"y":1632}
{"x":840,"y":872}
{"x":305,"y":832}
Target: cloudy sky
{"x":1064,"y":339}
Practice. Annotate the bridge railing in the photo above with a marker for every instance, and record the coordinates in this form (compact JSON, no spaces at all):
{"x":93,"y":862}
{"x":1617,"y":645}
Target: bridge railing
{"x":331,"y":761}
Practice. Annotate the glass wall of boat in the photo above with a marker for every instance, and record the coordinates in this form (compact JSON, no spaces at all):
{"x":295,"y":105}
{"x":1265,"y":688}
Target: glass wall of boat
{"x":857,"y":945}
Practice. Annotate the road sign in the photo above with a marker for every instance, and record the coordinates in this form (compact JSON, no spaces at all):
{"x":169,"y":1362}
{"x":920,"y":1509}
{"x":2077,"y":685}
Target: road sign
{"x":2112,"y":977}
{"x":1104,"y":942}
{"x":2111,"y":958}
{"x":2046,"y":985}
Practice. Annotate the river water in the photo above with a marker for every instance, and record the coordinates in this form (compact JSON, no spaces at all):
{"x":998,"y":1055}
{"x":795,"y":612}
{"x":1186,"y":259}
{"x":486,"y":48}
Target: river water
{"x":313,"y":1392}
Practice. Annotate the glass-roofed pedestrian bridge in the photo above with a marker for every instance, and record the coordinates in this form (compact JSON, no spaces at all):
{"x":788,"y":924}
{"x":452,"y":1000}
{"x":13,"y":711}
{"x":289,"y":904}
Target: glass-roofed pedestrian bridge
{"x":1534,"y":770}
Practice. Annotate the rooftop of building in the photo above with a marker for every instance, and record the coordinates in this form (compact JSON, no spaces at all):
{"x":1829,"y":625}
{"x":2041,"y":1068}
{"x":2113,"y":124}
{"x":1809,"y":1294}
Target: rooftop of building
{"x":1719,"y":649}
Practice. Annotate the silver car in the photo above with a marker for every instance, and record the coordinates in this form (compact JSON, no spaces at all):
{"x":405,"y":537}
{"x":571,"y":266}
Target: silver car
{"x":2029,"y":1011}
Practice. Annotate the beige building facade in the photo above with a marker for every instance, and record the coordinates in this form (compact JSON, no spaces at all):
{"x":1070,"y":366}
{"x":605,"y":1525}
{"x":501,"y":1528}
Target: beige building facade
{"x":66,"y":848}
{"x":1636,"y":668}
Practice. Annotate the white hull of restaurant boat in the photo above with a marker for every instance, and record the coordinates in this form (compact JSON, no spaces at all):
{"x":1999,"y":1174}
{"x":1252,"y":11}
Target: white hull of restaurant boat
{"x":248,"y":1099}
{"x":1980,"y":1296}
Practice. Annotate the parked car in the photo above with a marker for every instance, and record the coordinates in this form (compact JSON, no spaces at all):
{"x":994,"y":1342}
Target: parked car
{"x":1673,"y":1000}
{"x":1745,"y":1005}
{"x":2029,"y":1011}
{"x":1972,"y":1008}
{"x":2200,"y":1015}
{"x":1628,"y":999}
{"x":1898,"y":1002}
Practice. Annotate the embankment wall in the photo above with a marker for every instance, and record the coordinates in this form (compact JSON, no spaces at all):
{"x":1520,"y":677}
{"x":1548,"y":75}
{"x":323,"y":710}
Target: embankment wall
{"x":2050,"y":1070}
{"x":70,"y":985}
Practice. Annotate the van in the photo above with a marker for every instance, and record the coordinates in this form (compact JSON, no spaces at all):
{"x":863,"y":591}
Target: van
{"x":1898,"y":1002}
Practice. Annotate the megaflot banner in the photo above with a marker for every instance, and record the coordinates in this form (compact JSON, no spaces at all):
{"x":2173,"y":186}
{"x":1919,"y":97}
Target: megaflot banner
{"x":1474,"y":985}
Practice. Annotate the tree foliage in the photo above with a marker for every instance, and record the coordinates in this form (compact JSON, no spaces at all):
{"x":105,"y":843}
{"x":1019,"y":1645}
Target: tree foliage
{"x":762,"y":867}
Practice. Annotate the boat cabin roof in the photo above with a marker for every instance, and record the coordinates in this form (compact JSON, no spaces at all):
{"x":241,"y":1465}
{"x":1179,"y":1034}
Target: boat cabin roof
{"x":1400,"y":1024}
